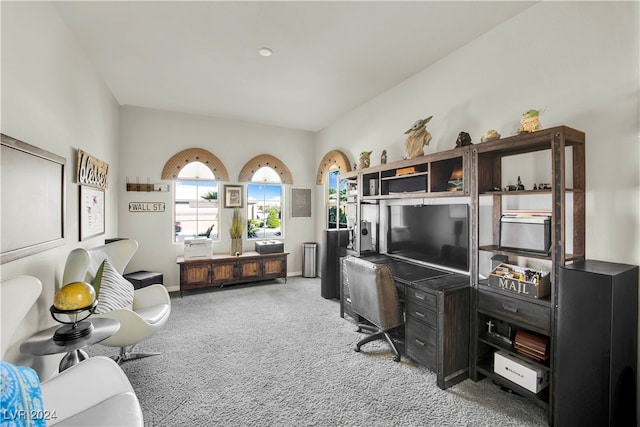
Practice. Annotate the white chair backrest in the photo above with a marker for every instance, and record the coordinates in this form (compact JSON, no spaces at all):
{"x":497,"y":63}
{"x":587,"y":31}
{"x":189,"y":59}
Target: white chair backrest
{"x":82,"y":264}
{"x":17,"y":296}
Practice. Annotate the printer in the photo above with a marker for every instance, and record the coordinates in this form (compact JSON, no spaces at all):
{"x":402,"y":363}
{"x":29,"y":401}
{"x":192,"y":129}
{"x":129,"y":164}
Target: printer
{"x":198,"y":248}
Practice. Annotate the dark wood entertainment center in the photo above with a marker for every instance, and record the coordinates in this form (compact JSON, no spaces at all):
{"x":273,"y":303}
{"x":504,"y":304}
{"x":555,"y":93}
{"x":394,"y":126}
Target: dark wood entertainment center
{"x":426,"y":180}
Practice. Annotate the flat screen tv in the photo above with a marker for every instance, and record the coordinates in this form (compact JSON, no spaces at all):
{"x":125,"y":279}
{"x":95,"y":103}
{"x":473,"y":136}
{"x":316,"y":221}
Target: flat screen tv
{"x":435,"y":234}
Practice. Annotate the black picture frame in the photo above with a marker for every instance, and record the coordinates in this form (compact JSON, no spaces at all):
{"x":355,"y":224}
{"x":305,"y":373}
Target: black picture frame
{"x":233,"y":196}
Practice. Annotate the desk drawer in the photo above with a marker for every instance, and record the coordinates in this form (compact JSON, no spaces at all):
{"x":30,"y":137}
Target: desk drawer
{"x":527,"y":313}
{"x":421,"y":343}
{"x":419,"y":312}
{"x":422,"y":298}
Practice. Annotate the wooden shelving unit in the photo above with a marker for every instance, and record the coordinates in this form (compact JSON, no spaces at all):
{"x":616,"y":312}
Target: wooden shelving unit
{"x":481,"y":170}
{"x":567,"y":148}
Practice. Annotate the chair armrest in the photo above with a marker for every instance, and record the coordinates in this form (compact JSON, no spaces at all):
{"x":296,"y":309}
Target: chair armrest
{"x":133,"y":328}
{"x":150,"y":296}
{"x":84,"y":386}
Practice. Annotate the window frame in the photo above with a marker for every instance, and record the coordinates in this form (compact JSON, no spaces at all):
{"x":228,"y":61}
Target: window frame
{"x":281,"y":216}
{"x":216,"y":230}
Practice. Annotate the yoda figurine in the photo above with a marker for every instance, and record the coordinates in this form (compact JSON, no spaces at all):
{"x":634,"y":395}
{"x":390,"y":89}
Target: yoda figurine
{"x":418,"y":138}
{"x":530,"y":121}
{"x":365,"y":159}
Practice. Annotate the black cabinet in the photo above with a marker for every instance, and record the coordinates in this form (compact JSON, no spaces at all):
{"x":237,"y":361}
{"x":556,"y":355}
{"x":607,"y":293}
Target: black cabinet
{"x":596,"y":350}
{"x":437,"y":326}
{"x":141,"y":279}
{"x":334,"y":245}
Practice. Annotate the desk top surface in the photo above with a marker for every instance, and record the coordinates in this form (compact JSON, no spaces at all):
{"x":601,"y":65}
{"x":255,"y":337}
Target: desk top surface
{"x":409,"y":273}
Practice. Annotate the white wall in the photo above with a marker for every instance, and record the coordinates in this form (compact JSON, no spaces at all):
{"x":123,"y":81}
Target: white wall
{"x":148,"y":138}
{"x":53,"y":98}
{"x":579,"y":60}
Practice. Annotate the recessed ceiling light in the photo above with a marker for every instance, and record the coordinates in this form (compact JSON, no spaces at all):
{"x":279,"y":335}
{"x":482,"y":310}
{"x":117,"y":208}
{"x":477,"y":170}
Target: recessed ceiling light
{"x":265,"y":51}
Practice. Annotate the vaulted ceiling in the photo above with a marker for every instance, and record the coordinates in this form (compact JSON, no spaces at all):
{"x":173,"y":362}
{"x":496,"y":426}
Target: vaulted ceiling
{"x":329,"y":57}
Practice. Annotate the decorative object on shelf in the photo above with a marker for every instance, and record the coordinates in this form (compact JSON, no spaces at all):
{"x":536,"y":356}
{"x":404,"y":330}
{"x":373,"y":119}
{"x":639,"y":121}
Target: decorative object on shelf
{"x":405,"y":171}
{"x":418,"y":138}
{"x":520,"y":280}
{"x":463,"y":140}
{"x":233,"y":196}
{"x":533,"y":345}
{"x":530,"y":121}
{"x":72,"y":301}
{"x":490,"y":136}
{"x":542,"y":186}
{"x":518,"y":187}
{"x":235,"y":232}
{"x":148,"y":187}
{"x":383,"y":157}
{"x":455,"y":180}
{"x":365,"y":159}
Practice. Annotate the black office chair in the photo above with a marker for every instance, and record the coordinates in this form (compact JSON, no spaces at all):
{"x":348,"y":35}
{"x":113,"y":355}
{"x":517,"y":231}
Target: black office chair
{"x":374,"y":297}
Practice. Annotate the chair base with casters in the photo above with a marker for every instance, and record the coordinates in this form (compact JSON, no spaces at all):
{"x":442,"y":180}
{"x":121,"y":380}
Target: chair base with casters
{"x":374,"y":297}
{"x":378,"y":334}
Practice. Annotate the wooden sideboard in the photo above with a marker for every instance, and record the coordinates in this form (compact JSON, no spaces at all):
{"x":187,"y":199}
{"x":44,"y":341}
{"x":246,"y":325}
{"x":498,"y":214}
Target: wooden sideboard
{"x":221,"y":270}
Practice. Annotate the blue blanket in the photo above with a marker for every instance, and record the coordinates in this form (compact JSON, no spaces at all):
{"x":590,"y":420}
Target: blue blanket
{"x":21,"y":397}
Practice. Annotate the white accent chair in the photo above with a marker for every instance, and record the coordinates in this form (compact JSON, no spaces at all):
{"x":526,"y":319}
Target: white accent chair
{"x":151,"y":304}
{"x":95,"y":392}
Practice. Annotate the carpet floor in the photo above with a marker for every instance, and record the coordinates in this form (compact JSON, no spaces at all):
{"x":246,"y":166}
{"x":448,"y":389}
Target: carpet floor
{"x":276,"y":354}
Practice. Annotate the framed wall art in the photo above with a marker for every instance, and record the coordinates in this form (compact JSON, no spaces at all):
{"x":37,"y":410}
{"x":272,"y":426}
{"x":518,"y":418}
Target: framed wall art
{"x":33,"y":199}
{"x":91,"y":212}
{"x":233,"y":196}
{"x":300,"y":203}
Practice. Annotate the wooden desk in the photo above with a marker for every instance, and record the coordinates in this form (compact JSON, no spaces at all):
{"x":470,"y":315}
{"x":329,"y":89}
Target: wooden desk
{"x":221,"y":270}
{"x":436,"y":305}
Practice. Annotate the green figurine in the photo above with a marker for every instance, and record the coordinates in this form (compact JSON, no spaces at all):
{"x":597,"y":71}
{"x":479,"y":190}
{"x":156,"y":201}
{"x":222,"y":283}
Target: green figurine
{"x":530,"y":121}
{"x":365,"y":159}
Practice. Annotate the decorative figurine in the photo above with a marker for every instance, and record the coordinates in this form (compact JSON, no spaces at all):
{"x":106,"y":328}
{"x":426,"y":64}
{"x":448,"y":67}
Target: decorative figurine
{"x":490,"y":136}
{"x":530,"y":121}
{"x":520,"y":185}
{"x":463,"y":139}
{"x":418,"y":138}
{"x":365,"y":159}
{"x":383,"y":157}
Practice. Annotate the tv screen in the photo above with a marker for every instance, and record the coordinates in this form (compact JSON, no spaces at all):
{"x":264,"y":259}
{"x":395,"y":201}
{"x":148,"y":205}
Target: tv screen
{"x":436,"y":234}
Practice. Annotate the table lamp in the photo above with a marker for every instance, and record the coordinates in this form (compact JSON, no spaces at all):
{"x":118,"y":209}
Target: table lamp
{"x":77,"y":301}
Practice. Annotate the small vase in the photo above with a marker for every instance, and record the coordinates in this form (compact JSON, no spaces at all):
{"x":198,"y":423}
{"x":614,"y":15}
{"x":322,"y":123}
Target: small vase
{"x":236,"y":247}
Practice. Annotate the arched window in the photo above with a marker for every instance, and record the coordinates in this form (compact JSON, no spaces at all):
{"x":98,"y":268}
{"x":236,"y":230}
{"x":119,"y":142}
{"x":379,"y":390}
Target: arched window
{"x":196,"y":207}
{"x":332,"y":164}
{"x":336,"y":198}
{"x":264,"y":205}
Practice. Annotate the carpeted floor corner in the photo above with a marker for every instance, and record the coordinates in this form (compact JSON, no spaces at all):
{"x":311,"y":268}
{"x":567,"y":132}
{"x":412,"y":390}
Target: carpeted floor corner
{"x":276,"y":354}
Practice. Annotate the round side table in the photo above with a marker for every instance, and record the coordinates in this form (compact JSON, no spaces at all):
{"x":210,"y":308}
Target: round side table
{"x":42,"y":343}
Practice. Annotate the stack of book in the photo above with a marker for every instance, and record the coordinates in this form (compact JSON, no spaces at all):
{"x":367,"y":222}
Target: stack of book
{"x":532,"y":345}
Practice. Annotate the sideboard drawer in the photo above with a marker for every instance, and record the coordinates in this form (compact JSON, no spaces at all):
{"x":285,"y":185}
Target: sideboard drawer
{"x":528,"y":313}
